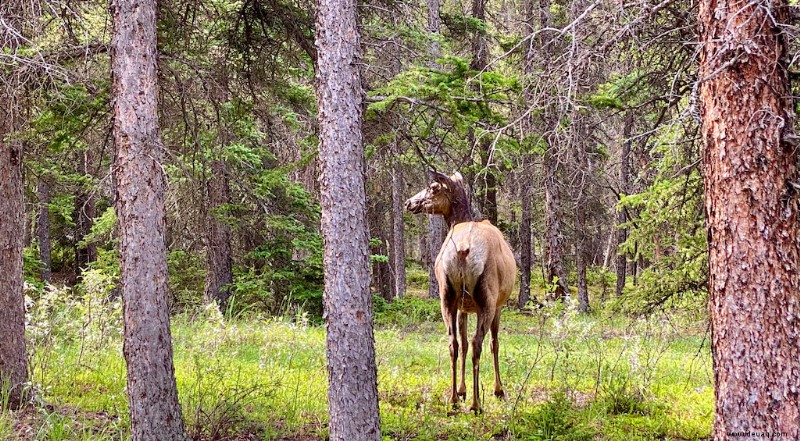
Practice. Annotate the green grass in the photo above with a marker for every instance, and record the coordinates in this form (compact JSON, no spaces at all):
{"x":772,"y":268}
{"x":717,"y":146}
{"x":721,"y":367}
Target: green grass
{"x":567,"y":377}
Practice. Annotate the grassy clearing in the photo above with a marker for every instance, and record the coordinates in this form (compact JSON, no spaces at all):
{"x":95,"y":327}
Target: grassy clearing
{"x":567,"y":377}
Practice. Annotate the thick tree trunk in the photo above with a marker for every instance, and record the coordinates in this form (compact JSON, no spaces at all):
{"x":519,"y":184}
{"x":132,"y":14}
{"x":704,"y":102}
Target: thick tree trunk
{"x":525,"y":258}
{"x":43,"y":228}
{"x":13,"y":358}
{"x":154,"y":409}
{"x":750,"y":173}
{"x":622,"y":232}
{"x":218,"y":260}
{"x":398,"y":248}
{"x":352,"y":375}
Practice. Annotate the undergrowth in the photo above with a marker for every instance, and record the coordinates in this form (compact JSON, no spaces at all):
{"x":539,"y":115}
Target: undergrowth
{"x":567,"y":376}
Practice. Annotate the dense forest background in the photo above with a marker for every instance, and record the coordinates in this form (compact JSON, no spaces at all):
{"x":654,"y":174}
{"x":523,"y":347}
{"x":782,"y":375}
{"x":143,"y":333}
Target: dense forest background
{"x":575,"y":124}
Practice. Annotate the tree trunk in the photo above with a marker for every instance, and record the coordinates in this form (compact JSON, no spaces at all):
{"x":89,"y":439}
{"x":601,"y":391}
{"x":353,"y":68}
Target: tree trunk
{"x":352,"y":376}
{"x":556,"y":276}
{"x":750,"y":170}
{"x":382,"y":273}
{"x":219,"y":261}
{"x":436,"y":226}
{"x":13,"y":357}
{"x":398,"y":249}
{"x":580,"y":254}
{"x":622,"y":232}
{"x":437,"y":231}
{"x":434,"y":25}
{"x":525,"y":257}
{"x":154,"y":409}
{"x":487,"y":185}
{"x":43,"y":229}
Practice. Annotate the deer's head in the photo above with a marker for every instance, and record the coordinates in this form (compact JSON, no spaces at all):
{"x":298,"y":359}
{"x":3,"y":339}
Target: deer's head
{"x":445,"y":196}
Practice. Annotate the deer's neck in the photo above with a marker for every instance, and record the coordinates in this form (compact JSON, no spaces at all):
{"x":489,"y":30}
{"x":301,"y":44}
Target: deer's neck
{"x":458,"y":214}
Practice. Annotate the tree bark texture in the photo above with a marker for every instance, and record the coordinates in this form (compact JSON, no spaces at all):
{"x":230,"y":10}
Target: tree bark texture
{"x":624,"y":184}
{"x":750,"y":170}
{"x":398,"y":249}
{"x":13,"y":358}
{"x":43,"y":228}
{"x":352,"y":376}
{"x":154,"y":409}
{"x":218,"y":260}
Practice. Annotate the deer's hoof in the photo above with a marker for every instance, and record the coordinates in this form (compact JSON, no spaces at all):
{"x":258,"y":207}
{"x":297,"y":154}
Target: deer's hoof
{"x":500,"y":394}
{"x":476,"y":409}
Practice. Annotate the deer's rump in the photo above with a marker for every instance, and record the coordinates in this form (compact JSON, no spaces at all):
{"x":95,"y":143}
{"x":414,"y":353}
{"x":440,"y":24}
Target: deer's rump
{"x":475,"y":258}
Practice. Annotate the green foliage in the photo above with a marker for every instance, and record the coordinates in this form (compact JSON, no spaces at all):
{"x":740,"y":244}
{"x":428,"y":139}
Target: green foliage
{"x":669,"y":231}
{"x":620,"y":92}
{"x":472,"y":102}
{"x":187,"y":276}
{"x":459,"y":25}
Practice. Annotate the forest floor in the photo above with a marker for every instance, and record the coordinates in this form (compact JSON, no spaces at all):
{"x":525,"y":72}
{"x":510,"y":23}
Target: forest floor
{"x":567,"y":377}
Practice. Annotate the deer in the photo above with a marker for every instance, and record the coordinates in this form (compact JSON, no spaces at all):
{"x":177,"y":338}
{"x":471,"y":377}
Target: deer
{"x":475,"y":272}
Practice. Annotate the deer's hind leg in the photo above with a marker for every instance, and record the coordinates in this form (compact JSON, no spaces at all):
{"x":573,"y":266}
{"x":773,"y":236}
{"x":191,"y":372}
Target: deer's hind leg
{"x":462,"y":333}
{"x":485,"y":318}
{"x":495,"y":345}
{"x":449,"y":315}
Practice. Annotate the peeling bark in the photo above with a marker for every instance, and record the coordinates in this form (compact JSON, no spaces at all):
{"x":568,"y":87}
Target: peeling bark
{"x":750,"y":165}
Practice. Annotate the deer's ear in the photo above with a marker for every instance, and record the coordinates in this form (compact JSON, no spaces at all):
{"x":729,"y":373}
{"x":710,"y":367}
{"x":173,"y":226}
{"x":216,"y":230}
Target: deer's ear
{"x":457,"y":177}
{"x":440,"y":177}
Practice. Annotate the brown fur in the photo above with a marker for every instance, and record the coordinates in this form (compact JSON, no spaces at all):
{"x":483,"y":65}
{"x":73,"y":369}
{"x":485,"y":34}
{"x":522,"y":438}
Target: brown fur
{"x":475,"y":271}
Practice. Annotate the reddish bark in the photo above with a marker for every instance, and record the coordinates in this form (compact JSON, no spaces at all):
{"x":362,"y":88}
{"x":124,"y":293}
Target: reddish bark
{"x":750,"y":169}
